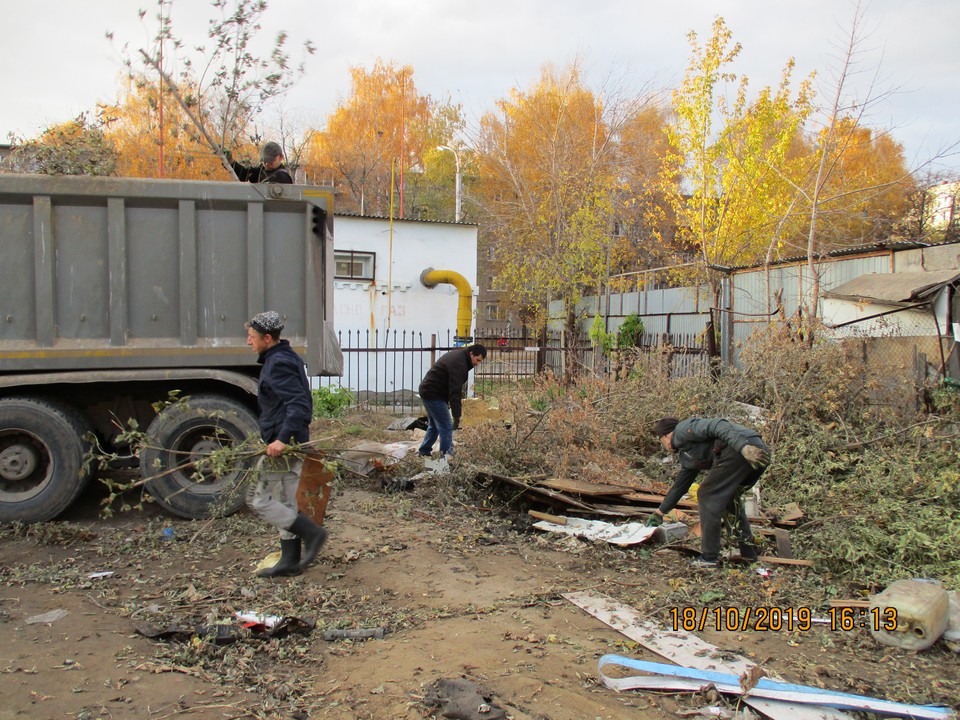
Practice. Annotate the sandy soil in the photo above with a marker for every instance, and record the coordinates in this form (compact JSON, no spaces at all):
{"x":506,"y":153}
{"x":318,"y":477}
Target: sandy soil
{"x":462,"y":592}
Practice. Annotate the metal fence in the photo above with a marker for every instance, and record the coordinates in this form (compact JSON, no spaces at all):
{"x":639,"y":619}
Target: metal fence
{"x":383,"y":368}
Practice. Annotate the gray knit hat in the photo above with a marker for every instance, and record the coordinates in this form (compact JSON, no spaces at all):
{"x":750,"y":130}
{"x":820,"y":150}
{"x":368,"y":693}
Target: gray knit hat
{"x":267,"y":322}
{"x":270,"y":151}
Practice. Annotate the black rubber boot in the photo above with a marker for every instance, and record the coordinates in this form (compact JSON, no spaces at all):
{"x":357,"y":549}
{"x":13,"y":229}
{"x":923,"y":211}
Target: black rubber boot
{"x":313,"y":537}
{"x":289,"y":560}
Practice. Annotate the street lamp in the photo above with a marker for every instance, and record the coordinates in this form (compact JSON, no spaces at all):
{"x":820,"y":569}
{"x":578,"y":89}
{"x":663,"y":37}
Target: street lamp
{"x":459,"y":186}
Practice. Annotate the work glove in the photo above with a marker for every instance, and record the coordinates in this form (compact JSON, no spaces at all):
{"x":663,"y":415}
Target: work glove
{"x":654,"y":520}
{"x":456,"y":423}
{"x":757,"y":457}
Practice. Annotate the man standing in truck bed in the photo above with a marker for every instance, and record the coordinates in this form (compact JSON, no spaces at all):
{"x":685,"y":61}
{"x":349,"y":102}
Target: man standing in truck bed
{"x":286,"y":409}
{"x":270,"y":170}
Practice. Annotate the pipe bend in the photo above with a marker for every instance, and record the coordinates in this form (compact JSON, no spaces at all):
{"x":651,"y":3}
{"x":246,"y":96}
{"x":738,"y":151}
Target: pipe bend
{"x":431,"y":278}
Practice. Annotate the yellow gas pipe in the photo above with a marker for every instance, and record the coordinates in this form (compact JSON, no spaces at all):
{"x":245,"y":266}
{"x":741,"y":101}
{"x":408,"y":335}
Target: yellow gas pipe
{"x":431,"y":278}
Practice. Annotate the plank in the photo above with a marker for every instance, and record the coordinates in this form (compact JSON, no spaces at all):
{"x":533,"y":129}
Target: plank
{"x":785,"y":561}
{"x":555,"y":519}
{"x":584,"y":487}
{"x":657,"y":499}
{"x":689,"y":650}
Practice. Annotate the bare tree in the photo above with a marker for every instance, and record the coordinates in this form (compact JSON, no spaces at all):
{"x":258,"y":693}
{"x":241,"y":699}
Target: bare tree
{"x":224,"y":86}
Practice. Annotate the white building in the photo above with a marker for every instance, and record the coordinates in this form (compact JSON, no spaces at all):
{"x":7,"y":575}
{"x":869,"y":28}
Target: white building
{"x":382,"y":300}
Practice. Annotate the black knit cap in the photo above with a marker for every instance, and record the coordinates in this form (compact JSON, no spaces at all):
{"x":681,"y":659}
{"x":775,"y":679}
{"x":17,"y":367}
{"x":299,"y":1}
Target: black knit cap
{"x":665,"y":426}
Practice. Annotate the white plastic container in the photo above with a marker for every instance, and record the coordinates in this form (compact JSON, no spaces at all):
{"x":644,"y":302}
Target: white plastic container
{"x":922,"y":613}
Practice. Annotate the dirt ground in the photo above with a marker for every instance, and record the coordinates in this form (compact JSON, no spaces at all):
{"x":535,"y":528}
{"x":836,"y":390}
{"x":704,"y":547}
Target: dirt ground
{"x":462,"y":592}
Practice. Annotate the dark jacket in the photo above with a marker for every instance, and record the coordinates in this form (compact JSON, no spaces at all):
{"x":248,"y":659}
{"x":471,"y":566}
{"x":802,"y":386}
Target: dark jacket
{"x":444,"y":381}
{"x":286,"y":403}
{"x":698,"y":441}
{"x":260,"y":174}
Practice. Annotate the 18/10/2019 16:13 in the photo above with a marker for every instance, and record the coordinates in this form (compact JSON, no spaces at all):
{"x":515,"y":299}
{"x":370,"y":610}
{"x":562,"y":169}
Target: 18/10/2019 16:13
{"x":775,"y":619}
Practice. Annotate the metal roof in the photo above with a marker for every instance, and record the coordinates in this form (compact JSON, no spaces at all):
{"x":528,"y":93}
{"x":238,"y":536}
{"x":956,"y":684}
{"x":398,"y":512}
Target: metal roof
{"x":894,"y":288}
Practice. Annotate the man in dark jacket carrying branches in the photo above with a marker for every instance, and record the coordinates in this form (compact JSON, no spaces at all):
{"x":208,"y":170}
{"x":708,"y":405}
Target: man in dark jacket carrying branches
{"x":734,"y":457}
{"x":286,"y":409}
{"x":440,"y":392}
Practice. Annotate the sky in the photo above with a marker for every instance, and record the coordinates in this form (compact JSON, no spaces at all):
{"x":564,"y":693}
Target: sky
{"x":56,"y":61}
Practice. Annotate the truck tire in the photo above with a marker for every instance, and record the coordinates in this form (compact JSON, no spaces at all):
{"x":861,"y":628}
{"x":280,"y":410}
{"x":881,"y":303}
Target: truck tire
{"x":42,"y":454}
{"x":189,"y":430}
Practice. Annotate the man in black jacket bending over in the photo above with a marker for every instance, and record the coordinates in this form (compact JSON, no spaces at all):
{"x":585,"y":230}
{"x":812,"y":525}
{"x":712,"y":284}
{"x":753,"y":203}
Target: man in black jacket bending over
{"x":286,"y":409}
{"x":440,"y":392}
{"x":734,"y":457}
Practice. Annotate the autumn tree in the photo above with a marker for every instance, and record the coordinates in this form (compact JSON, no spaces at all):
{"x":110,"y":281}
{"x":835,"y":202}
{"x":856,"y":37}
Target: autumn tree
{"x":549,"y":181}
{"x":77,"y":147}
{"x":644,"y":225}
{"x":381,"y":138}
{"x":135,"y":129}
{"x":732,"y":179}
{"x":856,"y":180}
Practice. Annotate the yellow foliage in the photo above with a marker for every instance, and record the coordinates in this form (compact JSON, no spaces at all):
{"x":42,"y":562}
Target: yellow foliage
{"x":146,"y":151}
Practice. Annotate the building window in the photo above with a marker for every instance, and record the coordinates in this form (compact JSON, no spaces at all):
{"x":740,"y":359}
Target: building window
{"x":491,"y":253}
{"x":492,"y":313}
{"x":353,"y":265}
{"x":490,"y":282}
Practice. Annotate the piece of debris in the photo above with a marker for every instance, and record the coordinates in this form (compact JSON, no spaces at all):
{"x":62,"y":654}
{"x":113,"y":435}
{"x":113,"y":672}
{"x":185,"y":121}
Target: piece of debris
{"x":369,"y":456}
{"x":358,"y":634}
{"x":628,"y":534}
{"x":912,"y":614}
{"x":463,"y":700}
{"x":658,"y":676}
{"x":47,"y":617}
{"x":691,"y":651}
{"x":223,"y":634}
{"x":409,"y":423}
{"x":583,"y":487}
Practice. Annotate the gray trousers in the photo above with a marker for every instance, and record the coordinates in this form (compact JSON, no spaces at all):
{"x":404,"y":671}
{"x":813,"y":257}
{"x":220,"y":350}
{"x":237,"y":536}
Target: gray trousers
{"x":719,"y":494}
{"x":273,"y":495}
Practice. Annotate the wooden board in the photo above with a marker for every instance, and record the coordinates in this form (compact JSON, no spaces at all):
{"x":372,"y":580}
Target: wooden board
{"x":656,"y":499}
{"x":785,"y":561}
{"x":584,"y":488}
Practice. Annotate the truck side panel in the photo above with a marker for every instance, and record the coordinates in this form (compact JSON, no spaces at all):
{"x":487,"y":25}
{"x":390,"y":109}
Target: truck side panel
{"x":109,"y":273}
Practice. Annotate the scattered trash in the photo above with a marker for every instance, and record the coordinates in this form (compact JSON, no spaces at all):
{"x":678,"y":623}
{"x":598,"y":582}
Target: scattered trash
{"x":223,"y":634}
{"x":391,"y":485}
{"x":168,"y":534}
{"x":47,"y":617}
{"x":689,"y":650}
{"x":98,"y":575}
{"x":659,"y":676}
{"x":369,"y":456}
{"x":463,"y":700}
{"x":910,"y":614}
{"x":436,"y":465}
{"x":670,"y":532}
{"x":409,"y":423}
{"x":361,"y":634}
{"x":631,"y":533}
{"x":252,"y":618}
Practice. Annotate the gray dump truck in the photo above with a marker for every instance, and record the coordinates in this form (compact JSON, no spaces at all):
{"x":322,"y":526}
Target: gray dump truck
{"x":117,"y":292}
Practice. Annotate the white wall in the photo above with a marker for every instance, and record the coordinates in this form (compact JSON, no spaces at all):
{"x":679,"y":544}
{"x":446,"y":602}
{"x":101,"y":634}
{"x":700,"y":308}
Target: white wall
{"x":398,"y":301}
{"x":907,"y":323}
{"x":403,"y":251}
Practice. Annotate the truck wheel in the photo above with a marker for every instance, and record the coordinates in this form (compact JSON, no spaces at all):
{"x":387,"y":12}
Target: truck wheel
{"x":41,"y":459}
{"x":189,"y":431}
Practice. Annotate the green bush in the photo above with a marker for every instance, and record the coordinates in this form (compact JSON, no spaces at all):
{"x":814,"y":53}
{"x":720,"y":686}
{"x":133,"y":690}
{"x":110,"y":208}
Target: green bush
{"x":329,"y":402}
